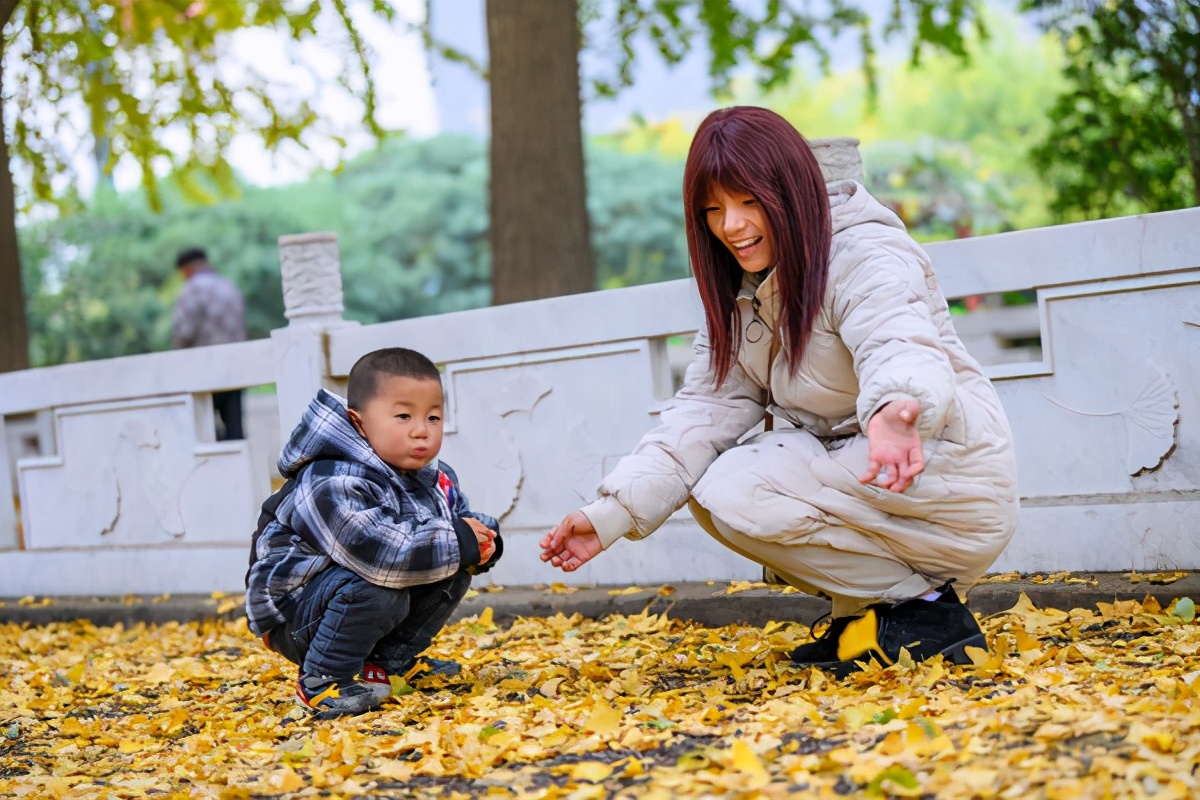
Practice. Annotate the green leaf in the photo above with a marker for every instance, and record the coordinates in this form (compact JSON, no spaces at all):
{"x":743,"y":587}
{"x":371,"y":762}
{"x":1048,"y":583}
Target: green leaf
{"x":661,"y":724}
{"x":895,"y":774}
{"x":1185,"y":609}
{"x":884,"y":717}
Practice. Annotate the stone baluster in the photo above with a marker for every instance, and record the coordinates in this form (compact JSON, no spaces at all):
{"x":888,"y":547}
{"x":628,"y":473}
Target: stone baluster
{"x":312,"y":278}
{"x":312,"y":299}
{"x":839,"y":158}
{"x":8,"y":511}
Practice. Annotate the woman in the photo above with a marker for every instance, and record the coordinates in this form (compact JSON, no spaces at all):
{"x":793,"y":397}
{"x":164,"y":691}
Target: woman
{"x":897,"y":478}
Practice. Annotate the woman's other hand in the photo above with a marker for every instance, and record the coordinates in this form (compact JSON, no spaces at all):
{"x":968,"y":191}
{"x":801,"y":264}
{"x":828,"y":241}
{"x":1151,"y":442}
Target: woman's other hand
{"x":572,"y":543}
{"x":894,"y":446}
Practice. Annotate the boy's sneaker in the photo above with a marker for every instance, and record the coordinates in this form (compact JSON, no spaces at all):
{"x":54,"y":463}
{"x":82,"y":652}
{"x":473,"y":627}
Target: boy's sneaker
{"x":426,"y":667}
{"x":325,"y":698}
{"x":925,"y":628}
{"x":376,"y":678}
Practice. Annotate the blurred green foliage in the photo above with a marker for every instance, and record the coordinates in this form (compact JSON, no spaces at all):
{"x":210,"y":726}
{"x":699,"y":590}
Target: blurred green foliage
{"x":1124,"y":134}
{"x":946,"y":142}
{"x":411,"y":219}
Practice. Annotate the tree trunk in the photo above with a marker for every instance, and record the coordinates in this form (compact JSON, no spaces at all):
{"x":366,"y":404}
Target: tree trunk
{"x":538,"y":193}
{"x":14,"y":334}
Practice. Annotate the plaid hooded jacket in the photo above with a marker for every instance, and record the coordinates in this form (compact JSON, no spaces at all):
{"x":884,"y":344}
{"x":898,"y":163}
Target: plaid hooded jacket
{"x":343,"y":505}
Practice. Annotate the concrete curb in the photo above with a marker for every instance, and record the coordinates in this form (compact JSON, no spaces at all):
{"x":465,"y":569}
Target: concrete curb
{"x":703,"y":603}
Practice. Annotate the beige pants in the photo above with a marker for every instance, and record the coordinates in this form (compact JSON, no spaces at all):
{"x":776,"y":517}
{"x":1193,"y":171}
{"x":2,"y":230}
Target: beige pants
{"x":851,"y":580}
{"x":784,"y":501}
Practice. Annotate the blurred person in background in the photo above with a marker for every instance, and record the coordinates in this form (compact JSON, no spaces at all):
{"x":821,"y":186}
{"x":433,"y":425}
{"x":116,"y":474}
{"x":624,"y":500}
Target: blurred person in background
{"x":210,"y":310}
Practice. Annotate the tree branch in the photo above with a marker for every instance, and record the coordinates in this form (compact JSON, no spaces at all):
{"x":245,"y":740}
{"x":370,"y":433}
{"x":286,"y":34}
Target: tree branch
{"x":7,"y":7}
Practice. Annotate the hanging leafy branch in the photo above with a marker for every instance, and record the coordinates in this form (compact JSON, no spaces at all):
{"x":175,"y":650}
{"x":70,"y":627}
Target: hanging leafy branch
{"x":161,"y":85}
{"x":769,"y":40}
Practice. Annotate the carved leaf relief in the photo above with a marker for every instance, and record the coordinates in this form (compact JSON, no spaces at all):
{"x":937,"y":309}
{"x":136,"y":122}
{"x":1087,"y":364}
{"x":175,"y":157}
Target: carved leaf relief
{"x":522,"y":392}
{"x":1150,"y":426}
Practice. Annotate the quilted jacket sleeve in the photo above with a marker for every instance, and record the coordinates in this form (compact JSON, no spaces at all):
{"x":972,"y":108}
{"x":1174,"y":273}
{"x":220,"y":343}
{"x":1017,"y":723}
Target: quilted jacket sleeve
{"x":881,"y":312}
{"x":655,"y":480}
{"x":352,"y":519}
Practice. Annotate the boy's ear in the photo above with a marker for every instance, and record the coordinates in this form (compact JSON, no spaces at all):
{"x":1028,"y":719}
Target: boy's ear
{"x":356,"y":421}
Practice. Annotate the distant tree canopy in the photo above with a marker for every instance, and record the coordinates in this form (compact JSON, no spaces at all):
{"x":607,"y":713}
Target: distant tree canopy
{"x":1125,"y":134}
{"x":412,"y":224}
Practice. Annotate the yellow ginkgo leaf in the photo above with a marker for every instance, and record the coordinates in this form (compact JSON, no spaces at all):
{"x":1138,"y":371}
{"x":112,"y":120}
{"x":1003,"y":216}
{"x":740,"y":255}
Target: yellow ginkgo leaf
{"x":76,"y":672}
{"x":746,"y":760}
{"x":593,"y":771}
{"x":159,"y":673}
{"x":285,"y":780}
{"x":605,"y":719}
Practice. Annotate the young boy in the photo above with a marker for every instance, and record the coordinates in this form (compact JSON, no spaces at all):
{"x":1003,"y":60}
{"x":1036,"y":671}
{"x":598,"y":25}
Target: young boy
{"x":363,"y":554}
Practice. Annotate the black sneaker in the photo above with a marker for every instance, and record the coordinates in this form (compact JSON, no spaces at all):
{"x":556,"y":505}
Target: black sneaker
{"x":325,"y":698}
{"x":925,"y":628}
{"x":823,"y":647}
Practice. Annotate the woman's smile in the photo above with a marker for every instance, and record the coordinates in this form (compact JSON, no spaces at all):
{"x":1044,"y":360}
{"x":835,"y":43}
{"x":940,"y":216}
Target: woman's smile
{"x":738,"y":221}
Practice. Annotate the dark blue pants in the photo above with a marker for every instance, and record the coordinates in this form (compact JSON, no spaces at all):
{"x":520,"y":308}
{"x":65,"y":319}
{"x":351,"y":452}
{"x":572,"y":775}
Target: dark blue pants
{"x":341,"y":622}
{"x":228,"y":406}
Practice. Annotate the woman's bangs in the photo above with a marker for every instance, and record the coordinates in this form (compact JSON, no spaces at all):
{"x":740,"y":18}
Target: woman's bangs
{"x":716,"y":173}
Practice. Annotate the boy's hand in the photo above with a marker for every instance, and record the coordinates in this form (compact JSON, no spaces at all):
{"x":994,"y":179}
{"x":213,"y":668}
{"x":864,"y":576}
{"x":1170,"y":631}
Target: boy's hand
{"x":486,"y":538}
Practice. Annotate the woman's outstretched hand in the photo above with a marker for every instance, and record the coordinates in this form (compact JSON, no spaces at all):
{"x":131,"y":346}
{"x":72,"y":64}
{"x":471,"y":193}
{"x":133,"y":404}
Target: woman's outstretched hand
{"x":572,"y":543}
{"x":894,"y":446}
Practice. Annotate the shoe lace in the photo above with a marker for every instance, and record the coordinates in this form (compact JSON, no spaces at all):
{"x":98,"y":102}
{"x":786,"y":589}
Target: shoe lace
{"x":812,"y":629}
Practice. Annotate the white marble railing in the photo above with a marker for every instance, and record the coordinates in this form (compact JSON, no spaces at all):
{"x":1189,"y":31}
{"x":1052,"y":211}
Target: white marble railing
{"x":134,"y":482}
{"x":543,"y":397}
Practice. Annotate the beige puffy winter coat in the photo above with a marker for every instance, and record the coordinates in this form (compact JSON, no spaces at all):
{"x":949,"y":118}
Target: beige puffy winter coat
{"x":884,"y":333}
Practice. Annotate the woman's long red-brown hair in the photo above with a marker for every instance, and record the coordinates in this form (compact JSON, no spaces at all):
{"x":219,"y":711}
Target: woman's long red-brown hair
{"x":753,"y":150}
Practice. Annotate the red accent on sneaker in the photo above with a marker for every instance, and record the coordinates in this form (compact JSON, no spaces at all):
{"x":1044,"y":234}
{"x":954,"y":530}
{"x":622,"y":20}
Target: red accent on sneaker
{"x":372,"y":673}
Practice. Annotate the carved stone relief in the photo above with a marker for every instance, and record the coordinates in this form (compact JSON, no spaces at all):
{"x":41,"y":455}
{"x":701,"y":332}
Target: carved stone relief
{"x":1107,"y":414}
{"x":1149,"y":421}
{"x":312,"y":278}
{"x":134,"y":473}
{"x":528,"y":435}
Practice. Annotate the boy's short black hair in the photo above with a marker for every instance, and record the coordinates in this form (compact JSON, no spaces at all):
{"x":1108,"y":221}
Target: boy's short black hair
{"x":399,"y":362}
{"x":188,"y":255}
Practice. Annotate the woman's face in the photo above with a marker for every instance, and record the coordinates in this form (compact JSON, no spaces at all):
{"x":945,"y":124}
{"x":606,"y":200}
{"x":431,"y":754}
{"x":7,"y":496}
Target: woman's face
{"x":738,"y":221}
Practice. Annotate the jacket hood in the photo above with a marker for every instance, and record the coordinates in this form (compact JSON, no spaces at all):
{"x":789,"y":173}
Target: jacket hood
{"x":850,"y":204}
{"x":326,"y":432}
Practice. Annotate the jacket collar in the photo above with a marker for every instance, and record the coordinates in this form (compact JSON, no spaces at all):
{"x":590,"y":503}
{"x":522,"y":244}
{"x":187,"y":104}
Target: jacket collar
{"x":762,"y":295}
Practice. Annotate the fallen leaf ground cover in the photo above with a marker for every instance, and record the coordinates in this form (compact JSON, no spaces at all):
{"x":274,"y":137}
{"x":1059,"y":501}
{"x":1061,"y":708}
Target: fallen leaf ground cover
{"x":1083,"y":703}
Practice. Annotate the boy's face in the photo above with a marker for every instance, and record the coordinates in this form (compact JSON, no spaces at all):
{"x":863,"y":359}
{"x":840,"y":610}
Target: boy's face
{"x":403,"y":421}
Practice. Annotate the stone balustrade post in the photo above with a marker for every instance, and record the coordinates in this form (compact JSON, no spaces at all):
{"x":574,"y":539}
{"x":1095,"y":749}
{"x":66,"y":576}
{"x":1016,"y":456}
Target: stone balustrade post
{"x":8,"y":512}
{"x":839,"y":158}
{"x":312,"y":299}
